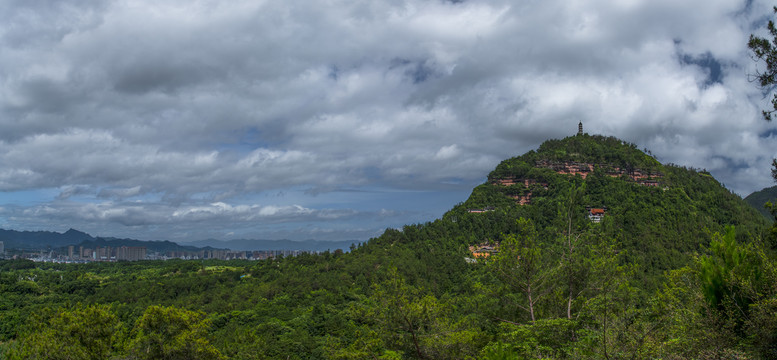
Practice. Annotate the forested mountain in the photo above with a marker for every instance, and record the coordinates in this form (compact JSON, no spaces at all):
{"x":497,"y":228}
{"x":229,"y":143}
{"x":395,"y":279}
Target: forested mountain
{"x":661,"y":214}
{"x":759,"y":198}
{"x":584,"y":248}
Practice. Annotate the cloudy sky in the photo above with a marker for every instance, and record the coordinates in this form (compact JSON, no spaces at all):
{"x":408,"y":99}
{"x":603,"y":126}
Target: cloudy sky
{"x":336,"y":119}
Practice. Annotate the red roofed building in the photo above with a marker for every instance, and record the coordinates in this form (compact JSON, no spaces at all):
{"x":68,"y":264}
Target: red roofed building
{"x":596,"y":214}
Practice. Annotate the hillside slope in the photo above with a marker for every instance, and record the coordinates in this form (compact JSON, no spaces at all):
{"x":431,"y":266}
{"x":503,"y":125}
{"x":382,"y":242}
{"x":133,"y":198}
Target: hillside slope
{"x":759,"y":198}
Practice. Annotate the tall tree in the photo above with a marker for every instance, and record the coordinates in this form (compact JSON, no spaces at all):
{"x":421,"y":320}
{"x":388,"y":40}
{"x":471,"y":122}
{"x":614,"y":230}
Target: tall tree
{"x":520,"y":265}
{"x":609,"y":309}
{"x":571,"y":262}
{"x":765,"y":50}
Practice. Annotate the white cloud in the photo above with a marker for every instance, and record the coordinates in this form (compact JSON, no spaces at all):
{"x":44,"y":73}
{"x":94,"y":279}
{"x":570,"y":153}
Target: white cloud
{"x":182,"y":105}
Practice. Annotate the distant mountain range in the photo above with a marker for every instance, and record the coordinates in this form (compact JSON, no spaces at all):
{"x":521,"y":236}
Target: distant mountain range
{"x":34,"y":240}
{"x":248,"y":244}
{"x":31,"y":240}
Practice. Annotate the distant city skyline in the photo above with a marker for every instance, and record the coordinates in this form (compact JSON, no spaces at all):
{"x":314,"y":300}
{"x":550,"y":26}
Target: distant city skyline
{"x":185,"y":121}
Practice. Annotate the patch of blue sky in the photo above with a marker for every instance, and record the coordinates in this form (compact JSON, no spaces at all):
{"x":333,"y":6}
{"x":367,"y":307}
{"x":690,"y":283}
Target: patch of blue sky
{"x":144,"y":198}
{"x":247,"y":140}
{"x":26,"y":198}
{"x":768,"y":133}
{"x":732,"y":164}
{"x":424,"y":205}
{"x":421,"y":205}
{"x":709,"y":64}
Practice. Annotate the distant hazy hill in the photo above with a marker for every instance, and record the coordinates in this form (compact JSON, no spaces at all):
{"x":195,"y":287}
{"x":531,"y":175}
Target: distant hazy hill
{"x":157,"y":246}
{"x":34,"y":240}
{"x":248,"y":244}
{"x":41,"y":239}
{"x":761,"y":197}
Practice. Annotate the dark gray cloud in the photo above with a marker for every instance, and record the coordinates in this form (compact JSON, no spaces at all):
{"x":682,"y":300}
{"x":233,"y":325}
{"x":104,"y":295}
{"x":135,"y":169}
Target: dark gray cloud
{"x":129,"y":112}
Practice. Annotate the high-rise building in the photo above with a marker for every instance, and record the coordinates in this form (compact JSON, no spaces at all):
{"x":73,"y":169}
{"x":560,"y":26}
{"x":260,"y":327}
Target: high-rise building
{"x":103,"y":253}
{"x":2,"y":248}
{"x":131,"y":253}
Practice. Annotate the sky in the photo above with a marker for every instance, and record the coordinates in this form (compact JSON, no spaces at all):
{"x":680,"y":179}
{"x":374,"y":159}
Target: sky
{"x":334,"y":120}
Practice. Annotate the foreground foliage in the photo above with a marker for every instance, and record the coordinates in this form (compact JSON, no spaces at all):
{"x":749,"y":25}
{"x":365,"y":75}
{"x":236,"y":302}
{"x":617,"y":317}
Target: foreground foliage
{"x":364,"y":305}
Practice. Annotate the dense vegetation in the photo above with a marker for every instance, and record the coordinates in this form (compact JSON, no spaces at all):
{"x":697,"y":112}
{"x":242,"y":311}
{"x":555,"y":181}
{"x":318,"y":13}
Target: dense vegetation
{"x":679,"y":269}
